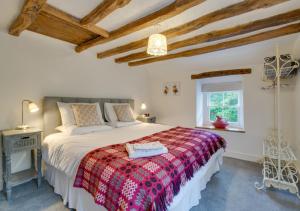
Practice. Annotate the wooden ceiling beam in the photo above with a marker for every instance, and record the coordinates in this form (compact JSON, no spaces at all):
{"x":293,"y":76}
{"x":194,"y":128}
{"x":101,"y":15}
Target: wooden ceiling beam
{"x":227,"y":12}
{"x":276,"y":20}
{"x":102,"y":10}
{"x":171,"y":10}
{"x":54,"y":27}
{"x":219,"y":73}
{"x":30,"y":11}
{"x":123,"y":48}
{"x":286,"y":30}
{"x":73,"y":20}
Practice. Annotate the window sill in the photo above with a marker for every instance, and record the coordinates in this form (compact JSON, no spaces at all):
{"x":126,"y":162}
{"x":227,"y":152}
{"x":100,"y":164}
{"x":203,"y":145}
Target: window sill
{"x":228,"y":129}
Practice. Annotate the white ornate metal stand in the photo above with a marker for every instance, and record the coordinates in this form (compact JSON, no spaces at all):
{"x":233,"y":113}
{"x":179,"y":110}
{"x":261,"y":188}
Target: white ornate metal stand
{"x":279,"y":170}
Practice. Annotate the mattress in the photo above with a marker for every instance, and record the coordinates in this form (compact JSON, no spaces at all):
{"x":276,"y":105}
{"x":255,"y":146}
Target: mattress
{"x":63,"y":153}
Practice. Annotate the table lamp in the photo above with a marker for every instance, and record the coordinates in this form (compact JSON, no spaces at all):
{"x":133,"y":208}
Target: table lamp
{"x":32,"y":107}
{"x":143,"y":108}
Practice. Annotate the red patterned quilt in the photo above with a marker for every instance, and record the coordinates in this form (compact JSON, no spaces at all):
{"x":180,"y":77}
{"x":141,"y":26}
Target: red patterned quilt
{"x":119,"y":183}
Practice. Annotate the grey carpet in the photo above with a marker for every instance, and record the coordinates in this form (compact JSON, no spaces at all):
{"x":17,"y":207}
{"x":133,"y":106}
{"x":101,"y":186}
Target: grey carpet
{"x":232,"y":189}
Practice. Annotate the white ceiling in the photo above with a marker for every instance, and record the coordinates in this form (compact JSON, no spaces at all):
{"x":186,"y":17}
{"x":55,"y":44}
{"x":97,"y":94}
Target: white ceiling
{"x":138,"y":8}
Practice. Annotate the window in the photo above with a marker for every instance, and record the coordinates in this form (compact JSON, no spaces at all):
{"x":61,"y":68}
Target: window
{"x":220,"y":98}
{"x":226,"y":104}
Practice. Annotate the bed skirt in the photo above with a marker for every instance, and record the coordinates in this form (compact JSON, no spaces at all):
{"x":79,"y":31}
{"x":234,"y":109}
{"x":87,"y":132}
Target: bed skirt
{"x":81,"y":200}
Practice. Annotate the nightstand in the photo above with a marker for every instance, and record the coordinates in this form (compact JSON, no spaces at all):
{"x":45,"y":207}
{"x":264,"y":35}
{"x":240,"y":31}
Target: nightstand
{"x":151,"y":119}
{"x":16,"y":141}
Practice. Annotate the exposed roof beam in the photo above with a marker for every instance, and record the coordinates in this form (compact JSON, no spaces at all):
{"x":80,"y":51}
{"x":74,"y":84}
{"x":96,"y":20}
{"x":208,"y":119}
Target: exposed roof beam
{"x":30,"y":11}
{"x":52,"y":26}
{"x":175,"y":8}
{"x":73,"y":20}
{"x":227,"y":12}
{"x":219,"y":73}
{"x":123,"y":48}
{"x":276,"y":20}
{"x":290,"y":29}
{"x":102,"y":10}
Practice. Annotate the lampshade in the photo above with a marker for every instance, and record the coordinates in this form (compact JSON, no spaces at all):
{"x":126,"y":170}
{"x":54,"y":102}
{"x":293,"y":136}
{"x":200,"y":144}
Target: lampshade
{"x":143,"y":106}
{"x":157,"y":45}
{"x":33,"y":107}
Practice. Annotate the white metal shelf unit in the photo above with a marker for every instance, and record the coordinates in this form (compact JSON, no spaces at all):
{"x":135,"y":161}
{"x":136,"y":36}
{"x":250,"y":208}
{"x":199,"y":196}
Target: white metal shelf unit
{"x":279,"y":170}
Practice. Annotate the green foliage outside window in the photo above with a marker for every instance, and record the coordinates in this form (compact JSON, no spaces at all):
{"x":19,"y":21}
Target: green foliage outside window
{"x":224,"y":104}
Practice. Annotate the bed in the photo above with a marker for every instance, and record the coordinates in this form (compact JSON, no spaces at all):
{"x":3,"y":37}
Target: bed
{"x":63,"y":154}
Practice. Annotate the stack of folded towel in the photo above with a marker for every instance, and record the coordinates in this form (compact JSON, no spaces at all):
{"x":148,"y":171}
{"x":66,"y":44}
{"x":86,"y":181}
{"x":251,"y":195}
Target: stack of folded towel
{"x":146,"y":150}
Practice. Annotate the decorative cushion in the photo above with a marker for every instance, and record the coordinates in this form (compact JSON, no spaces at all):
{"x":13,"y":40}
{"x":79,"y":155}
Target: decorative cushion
{"x":109,"y":112}
{"x":86,"y":115}
{"x":67,"y":114}
{"x":124,"y":113}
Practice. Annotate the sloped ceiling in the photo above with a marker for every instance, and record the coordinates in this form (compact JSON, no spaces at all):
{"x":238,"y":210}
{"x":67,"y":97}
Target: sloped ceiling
{"x":138,"y":8}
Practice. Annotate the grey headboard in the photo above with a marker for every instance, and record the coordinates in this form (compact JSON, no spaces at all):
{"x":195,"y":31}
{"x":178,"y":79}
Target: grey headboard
{"x":51,"y":113}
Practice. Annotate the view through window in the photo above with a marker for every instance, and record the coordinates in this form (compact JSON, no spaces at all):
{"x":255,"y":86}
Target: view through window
{"x":224,"y":104}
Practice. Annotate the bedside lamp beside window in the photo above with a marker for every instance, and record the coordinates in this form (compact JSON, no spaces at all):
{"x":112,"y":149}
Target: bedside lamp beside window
{"x":143,"y":108}
{"x":146,"y":116}
{"x":32,"y":107}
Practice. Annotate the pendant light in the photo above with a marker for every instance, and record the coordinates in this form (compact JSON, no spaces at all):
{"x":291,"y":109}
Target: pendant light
{"x":157,"y":45}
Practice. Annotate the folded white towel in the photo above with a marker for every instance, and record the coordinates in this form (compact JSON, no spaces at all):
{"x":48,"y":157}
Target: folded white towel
{"x":150,"y":145}
{"x":144,"y":153}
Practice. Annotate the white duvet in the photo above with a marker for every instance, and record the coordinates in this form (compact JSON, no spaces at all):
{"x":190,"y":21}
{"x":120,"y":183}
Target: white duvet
{"x":64,"y":152}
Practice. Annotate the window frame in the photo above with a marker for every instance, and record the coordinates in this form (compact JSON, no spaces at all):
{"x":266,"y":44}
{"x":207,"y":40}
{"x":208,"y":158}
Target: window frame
{"x":240,"y":108}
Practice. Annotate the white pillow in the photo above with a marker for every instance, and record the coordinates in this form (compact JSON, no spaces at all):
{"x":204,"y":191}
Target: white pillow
{"x":123,"y":124}
{"x":74,"y":130}
{"x":109,"y":112}
{"x":67,"y":115}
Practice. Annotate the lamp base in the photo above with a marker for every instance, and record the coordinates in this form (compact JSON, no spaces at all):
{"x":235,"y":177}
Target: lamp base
{"x":22,"y":127}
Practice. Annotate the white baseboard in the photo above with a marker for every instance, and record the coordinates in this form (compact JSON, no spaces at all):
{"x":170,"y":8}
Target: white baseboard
{"x":243,"y":156}
{"x":252,"y":158}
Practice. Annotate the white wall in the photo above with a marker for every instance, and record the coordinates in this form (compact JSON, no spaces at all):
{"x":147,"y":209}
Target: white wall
{"x":258,"y":108}
{"x":33,"y":66}
{"x":258,"y":104}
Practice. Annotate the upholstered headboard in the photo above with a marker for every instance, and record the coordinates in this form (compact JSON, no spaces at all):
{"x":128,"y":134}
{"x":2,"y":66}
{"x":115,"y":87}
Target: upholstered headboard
{"x":51,"y":113}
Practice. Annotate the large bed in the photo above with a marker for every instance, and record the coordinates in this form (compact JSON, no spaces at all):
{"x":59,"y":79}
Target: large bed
{"x":63,"y":153}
